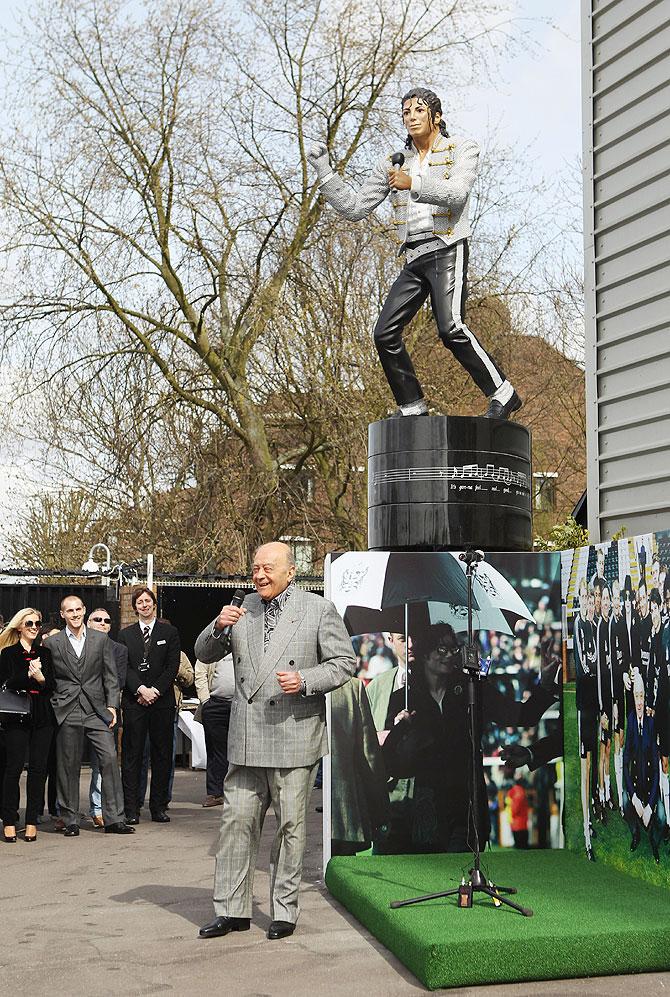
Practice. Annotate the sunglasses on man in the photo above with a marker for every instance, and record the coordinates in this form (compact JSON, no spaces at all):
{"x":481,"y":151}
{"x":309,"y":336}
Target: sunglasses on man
{"x":101,"y":619}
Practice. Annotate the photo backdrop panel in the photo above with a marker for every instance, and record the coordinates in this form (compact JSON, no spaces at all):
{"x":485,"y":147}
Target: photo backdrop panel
{"x":399,"y":749}
{"x":616,"y":605}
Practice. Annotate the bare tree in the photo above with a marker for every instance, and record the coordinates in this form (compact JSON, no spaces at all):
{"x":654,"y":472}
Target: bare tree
{"x":158,"y":181}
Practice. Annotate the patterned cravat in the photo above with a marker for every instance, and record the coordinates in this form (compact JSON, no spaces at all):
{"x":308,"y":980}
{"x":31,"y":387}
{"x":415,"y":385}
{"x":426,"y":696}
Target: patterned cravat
{"x":271,"y":617}
{"x":272,"y":612}
{"x":146,"y":636}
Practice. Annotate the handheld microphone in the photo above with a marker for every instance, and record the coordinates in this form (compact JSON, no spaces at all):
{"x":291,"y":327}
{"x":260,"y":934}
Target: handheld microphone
{"x":237,"y":600}
{"x":397,"y":159}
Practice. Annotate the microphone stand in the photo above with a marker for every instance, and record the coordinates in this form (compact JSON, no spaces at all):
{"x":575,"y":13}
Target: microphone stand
{"x":477,"y":882}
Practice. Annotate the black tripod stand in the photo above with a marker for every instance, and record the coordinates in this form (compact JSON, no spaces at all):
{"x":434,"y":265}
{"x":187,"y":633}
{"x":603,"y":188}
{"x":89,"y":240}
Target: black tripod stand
{"x":476,"y":883}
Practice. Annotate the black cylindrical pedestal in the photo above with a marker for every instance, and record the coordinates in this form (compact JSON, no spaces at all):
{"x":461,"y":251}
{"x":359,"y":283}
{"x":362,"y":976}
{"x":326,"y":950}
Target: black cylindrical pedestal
{"x":448,"y":482}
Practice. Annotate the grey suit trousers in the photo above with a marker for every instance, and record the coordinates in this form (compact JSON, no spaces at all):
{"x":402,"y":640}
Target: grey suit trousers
{"x":247,"y":794}
{"x":69,"y":749}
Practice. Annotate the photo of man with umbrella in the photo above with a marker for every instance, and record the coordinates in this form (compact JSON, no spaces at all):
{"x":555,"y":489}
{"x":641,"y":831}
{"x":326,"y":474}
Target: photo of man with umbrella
{"x":421,"y":722}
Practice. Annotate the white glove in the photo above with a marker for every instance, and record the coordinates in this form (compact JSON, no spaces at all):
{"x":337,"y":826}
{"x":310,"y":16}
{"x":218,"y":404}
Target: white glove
{"x":637,"y":803}
{"x":646,"y":815}
{"x":317,"y":154}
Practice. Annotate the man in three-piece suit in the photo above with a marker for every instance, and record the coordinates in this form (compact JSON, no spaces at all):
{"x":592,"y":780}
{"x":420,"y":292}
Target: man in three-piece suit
{"x":85,"y":703}
{"x":148,"y":705}
{"x":289,"y":648}
{"x":640,"y":759}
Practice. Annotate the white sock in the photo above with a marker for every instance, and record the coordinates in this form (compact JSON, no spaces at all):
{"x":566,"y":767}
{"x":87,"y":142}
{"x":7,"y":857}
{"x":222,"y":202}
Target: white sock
{"x":414,"y":408}
{"x":503,"y":393}
{"x":608,"y":796}
{"x":587,"y":834}
{"x":665,"y":789}
{"x":618,"y":775}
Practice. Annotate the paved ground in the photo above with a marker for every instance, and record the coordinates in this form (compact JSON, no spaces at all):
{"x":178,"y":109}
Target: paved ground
{"x":105,"y":915}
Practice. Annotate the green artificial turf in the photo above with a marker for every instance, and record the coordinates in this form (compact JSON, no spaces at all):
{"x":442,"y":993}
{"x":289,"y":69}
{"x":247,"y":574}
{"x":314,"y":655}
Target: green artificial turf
{"x":589,"y":919}
{"x":611,"y":841}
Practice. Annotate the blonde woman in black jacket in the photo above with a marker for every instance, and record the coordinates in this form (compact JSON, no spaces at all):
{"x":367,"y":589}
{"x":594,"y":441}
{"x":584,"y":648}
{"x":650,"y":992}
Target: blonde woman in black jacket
{"x":25,"y":667}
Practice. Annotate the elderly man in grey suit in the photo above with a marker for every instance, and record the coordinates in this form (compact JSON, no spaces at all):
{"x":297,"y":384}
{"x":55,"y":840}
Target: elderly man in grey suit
{"x":85,"y":703}
{"x":289,"y":648}
{"x":430,"y":184}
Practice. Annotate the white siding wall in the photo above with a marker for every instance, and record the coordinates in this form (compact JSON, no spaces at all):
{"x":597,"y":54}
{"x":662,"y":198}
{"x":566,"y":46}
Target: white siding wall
{"x":626,"y":143}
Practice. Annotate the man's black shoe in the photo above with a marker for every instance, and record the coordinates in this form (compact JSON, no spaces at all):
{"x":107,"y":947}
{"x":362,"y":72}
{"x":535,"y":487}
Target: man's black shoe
{"x":222,"y":925}
{"x":497,"y":410}
{"x":132,"y":819}
{"x":71,"y":831}
{"x":119,"y":829}
{"x":280,"y":929}
{"x":160,"y":817}
{"x":654,"y":852}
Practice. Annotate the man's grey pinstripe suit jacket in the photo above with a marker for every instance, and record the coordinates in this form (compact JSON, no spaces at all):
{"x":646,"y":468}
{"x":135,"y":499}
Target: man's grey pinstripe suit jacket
{"x":269,"y":728}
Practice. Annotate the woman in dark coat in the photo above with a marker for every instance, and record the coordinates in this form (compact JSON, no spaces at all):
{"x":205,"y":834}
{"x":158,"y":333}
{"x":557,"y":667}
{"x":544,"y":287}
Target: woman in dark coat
{"x":26,"y":666}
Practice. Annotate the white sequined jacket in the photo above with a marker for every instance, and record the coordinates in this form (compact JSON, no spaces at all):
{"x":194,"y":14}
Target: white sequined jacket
{"x":446,"y":186}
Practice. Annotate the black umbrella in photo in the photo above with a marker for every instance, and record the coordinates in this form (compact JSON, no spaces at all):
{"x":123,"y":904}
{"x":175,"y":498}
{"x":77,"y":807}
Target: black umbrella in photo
{"x":374,"y":590}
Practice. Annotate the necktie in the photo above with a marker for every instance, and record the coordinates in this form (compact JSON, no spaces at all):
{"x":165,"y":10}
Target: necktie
{"x":146,"y":636}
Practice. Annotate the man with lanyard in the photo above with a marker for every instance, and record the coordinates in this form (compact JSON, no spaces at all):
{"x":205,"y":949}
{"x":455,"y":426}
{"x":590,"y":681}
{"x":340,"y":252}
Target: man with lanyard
{"x":430,"y":184}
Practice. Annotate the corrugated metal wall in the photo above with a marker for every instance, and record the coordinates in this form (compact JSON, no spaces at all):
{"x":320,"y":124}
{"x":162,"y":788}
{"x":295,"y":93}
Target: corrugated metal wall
{"x":626,"y":143}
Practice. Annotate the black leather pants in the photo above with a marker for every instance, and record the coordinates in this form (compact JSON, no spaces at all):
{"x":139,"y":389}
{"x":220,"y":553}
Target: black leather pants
{"x":443,"y":276}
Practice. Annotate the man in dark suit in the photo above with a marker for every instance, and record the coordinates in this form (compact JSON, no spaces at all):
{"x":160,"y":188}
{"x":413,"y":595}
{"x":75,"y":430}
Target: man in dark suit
{"x":640,"y":759}
{"x":85,"y":703}
{"x":148,"y":705}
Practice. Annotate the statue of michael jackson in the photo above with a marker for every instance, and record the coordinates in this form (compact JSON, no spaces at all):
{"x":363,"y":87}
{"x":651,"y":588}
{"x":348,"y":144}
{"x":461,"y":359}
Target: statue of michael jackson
{"x":430,"y":184}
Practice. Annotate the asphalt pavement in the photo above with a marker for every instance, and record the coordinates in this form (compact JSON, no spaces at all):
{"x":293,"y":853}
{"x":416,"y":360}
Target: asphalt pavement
{"x":101,"y":914}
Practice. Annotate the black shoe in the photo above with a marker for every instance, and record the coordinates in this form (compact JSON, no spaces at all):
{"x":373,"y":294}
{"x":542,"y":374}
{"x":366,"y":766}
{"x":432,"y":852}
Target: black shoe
{"x":71,"y":831}
{"x":133,"y":819}
{"x":222,"y":925}
{"x":280,"y":929}
{"x":654,"y":852}
{"x":9,"y":838}
{"x":119,"y":829}
{"x":497,"y":410}
{"x":635,"y":840}
{"x":160,"y":817}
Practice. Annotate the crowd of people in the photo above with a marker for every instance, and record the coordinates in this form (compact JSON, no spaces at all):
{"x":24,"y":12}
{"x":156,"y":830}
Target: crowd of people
{"x":621,"y":646}
{"x":79,"y":684}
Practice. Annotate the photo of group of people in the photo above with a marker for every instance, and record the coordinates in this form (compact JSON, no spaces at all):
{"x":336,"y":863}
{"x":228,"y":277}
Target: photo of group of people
{"x":617,"y":599}
{"x":399,"y":764}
